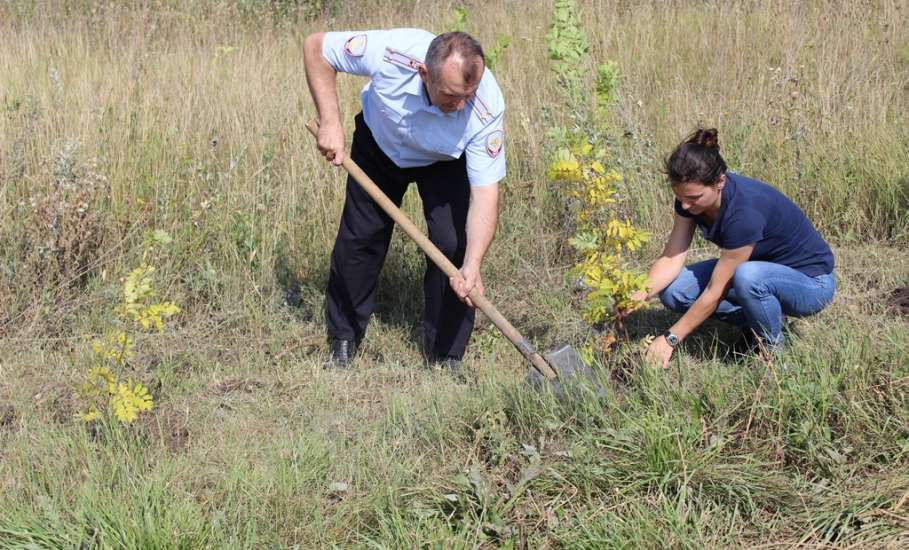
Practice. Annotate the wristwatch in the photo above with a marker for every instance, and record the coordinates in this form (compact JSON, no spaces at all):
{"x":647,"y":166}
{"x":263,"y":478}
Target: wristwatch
{"x":671,"y":338}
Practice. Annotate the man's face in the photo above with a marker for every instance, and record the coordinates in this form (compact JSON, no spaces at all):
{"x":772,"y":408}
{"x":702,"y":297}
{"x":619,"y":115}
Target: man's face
{"x":450,"y":91}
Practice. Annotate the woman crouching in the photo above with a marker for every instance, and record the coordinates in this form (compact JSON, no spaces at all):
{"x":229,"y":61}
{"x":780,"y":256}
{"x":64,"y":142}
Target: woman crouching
{"x":772,"y":260}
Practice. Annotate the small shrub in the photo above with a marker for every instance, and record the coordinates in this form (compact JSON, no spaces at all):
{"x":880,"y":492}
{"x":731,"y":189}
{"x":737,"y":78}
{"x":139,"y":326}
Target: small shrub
{"x":568,"y":45}
{"x":600,"y":237}
{"x":138,"y":311}
{"x":601,"y":234}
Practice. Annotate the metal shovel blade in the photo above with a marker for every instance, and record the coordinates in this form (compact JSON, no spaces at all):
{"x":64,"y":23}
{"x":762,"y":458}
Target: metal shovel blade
{"x":574,"y":374}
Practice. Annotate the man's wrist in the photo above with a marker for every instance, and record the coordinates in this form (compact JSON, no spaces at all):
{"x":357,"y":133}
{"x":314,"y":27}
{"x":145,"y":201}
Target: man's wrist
{"x":471,"y":263}
{"x":330,"y":122}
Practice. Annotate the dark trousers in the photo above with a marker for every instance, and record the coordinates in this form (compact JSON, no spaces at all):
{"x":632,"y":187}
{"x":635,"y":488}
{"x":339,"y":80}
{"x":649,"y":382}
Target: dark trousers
{"x":365,"y":233}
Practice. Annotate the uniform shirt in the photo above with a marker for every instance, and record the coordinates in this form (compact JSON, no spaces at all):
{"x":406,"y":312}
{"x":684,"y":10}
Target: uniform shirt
{"x":754,"y":212}
{"x":396,"y":107}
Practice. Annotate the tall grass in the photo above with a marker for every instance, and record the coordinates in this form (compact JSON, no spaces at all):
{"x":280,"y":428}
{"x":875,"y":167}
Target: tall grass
{"x":118,"y":118}
{"x":806,"y":95}
{"x":193,"y":115}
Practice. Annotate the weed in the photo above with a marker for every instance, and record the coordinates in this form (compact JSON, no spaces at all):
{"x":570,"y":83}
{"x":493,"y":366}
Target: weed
{"x":59,"y":241}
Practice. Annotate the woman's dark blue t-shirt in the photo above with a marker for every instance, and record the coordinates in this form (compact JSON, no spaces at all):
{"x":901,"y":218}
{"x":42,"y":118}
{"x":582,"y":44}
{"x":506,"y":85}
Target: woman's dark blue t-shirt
{"x":754,"y":212}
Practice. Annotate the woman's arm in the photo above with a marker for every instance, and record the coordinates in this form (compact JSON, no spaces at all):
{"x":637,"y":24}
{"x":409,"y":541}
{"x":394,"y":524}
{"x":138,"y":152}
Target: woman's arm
{"x":668,"y":266}
{"x":706,"y":304}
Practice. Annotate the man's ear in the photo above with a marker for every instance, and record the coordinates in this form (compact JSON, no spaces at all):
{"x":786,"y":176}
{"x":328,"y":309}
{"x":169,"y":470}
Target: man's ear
{"x":424,"y":72}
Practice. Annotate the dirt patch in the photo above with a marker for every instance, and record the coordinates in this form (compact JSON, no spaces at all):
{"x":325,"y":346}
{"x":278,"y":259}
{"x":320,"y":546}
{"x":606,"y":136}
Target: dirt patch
{"x":245,"y":385}
{"x":7,"y":417}
{"x":899,"y":301}
{"x":57,"y":400}
{"x":168,"y":427}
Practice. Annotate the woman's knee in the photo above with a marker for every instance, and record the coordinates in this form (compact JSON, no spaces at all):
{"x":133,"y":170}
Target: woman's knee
{"x":748,"y":279}
{"x":675,"y":297}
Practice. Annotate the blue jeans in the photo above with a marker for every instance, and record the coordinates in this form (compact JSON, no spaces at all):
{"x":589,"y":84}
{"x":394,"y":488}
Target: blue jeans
{"x":761,"y":293}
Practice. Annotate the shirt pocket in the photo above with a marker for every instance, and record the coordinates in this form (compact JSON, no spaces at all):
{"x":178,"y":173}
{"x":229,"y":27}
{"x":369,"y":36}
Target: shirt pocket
{"x":436,"y":135}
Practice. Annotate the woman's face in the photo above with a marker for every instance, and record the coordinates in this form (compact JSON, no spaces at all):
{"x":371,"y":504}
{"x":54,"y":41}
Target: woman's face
{"x":698,"y":198}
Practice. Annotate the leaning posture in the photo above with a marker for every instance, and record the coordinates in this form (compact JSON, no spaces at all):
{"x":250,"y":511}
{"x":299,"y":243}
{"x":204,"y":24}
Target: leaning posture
{"x":772,"y":262}
{"x":432,"y":113}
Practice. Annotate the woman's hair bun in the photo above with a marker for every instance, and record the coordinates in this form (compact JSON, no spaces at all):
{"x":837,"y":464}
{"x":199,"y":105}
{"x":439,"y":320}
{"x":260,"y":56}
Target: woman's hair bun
{"x":696,"y":159}
{"x":709,"y":138}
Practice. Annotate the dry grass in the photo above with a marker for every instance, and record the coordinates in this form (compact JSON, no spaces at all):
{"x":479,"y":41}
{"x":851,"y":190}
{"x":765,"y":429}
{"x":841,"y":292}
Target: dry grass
{"x":188,"y":117}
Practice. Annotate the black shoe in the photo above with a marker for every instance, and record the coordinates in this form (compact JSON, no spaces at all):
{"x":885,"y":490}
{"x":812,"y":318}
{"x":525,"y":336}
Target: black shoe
{"x":342,"y":353}
{"x":450,"y":365}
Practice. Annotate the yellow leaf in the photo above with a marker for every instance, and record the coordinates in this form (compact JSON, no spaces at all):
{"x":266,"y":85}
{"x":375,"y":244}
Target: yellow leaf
{"x":144,"y":400}
{"x":567,"y":170}
{"x":129,"y":400}
{"x":90,"y":415}
{"x":101,"y":372}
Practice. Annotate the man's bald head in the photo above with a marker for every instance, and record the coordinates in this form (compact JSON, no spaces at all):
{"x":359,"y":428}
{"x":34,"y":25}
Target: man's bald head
{"x":460,"y":45}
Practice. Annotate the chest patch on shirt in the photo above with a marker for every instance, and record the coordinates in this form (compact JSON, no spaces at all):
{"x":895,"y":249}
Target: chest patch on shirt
{"x":398,"y":58}
{"x":494,"y":143}
{"x":356,"y":45}
{"x":480,"y":109}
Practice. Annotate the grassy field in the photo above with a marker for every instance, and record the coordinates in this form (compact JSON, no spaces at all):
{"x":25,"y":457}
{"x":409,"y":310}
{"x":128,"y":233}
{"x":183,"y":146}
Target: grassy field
{"x":119,"y":118}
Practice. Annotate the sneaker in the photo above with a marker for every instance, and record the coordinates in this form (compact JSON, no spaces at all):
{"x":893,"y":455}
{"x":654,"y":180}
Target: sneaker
{"x":341,"y":354}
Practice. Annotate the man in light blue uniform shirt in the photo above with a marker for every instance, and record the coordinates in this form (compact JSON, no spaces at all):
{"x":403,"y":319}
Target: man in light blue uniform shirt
{"x":432,"y":114}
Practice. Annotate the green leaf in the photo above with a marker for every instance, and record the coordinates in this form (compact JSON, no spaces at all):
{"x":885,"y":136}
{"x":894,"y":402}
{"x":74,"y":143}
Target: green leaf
{"x":159,"y":236}
{"x":584,"y":242}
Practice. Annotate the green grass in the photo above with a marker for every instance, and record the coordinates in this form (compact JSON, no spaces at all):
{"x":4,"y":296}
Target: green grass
{"x":188,"y":117}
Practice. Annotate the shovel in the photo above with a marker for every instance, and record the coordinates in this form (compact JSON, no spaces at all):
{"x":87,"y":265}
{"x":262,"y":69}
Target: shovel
{"x":557,"y":368}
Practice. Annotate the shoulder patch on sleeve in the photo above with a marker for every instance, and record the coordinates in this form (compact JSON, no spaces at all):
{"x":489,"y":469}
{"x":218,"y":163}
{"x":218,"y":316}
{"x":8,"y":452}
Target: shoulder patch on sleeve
{"x":494,"y":142}
{"x":356,"y":45}
{"x":398,"y":58}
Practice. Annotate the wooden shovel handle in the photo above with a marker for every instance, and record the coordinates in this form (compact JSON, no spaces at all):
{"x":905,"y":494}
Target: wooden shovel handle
{"x":442,"y":261}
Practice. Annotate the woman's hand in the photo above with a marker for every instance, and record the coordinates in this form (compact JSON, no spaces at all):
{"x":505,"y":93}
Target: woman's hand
{"x":660,"y":351}
{"x":638,"y":298}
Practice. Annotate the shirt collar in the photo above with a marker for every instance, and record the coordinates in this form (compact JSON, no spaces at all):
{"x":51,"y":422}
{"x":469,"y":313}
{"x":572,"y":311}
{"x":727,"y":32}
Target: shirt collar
{"x":728,"y":195}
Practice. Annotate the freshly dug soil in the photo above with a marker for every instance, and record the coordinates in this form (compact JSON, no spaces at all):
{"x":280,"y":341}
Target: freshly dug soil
{"x":899,"y":301}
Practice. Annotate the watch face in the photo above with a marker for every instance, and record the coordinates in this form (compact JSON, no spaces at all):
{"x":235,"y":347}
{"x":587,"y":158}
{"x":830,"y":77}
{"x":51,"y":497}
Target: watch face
{"x":672,"y":339}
